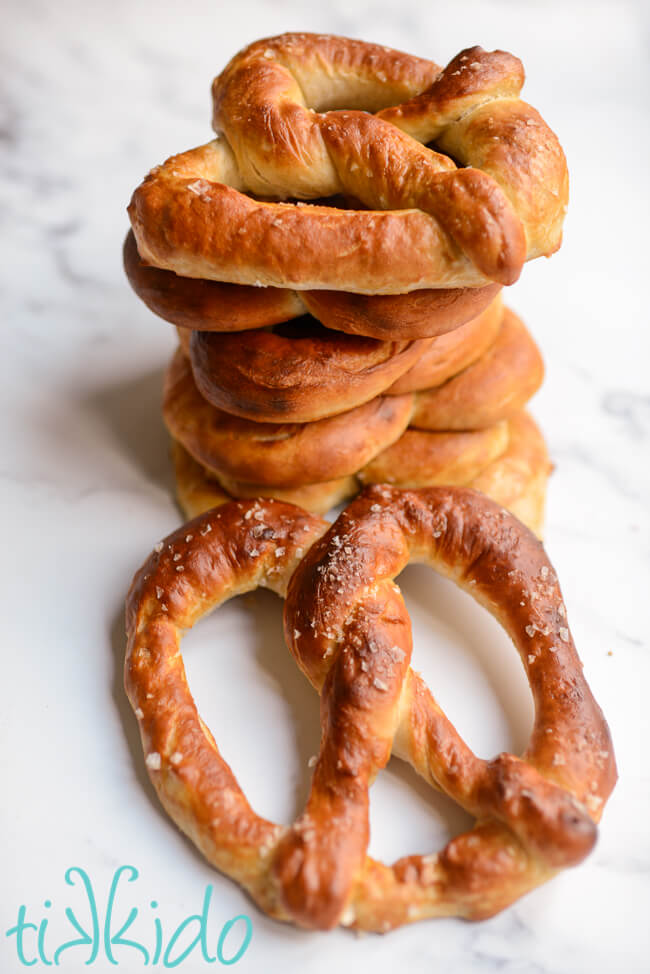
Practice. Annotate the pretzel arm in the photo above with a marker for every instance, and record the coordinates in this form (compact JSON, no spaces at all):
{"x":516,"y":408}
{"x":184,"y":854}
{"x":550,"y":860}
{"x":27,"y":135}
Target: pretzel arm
{"x":320,"y":856}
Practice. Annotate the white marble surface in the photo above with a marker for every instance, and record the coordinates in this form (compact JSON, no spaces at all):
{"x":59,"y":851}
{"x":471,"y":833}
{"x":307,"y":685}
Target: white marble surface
{"x":92,"y":95}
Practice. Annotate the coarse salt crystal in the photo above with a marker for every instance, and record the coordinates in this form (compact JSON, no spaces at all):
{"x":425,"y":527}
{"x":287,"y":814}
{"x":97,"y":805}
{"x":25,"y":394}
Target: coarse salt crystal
{"x":152,"y":761}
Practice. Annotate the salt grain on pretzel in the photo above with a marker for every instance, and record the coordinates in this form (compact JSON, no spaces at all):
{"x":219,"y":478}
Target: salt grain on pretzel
{"x":289,"y":111}
{"x":348,"y":629}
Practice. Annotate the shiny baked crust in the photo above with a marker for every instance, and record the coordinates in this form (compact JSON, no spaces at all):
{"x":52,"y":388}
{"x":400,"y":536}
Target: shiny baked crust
{"x":348,"y":629}
{"x":286,"y":110}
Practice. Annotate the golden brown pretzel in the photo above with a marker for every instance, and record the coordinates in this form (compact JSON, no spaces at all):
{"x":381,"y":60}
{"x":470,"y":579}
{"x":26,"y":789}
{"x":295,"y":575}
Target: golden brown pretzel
{"x":278,"y":455}
{"x":215,"y":306}
{"x":429,"y":223}
{"x":494,"y":387}
{"x":197,"y":490}
{"x":298,"y":373}
{"x":348,"y":629}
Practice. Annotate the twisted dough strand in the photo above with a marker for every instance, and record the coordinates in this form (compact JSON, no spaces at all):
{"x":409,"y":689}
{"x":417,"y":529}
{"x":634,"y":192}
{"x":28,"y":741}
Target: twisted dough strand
{"x":430,"y":224}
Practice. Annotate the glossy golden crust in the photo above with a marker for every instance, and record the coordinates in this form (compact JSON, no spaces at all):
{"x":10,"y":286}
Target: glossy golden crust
{"x":197,"y":491}
{"x":348,"y":629}
{"x":494,"y":387}
{"x":286,"y":455}
{"x":277,"y":108}
{"x":299,"y":373}
{"x":215,"y":306}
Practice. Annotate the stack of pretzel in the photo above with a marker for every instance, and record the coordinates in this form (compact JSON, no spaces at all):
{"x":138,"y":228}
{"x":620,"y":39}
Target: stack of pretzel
{"x":333,"y":262}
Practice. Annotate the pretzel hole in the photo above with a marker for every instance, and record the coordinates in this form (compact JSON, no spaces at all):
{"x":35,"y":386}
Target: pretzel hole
{"x":464,"y":656}
{"x":427,"y":818}
{"x":260,"y":709}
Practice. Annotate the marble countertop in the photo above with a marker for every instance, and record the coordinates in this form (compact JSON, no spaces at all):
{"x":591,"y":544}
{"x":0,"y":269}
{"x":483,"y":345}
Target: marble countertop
{"x":93,"y":94}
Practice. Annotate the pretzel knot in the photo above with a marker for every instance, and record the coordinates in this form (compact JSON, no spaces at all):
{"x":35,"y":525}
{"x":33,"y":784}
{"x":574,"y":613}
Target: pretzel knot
{"x":349,"y":631}
{"x":293,"y":121}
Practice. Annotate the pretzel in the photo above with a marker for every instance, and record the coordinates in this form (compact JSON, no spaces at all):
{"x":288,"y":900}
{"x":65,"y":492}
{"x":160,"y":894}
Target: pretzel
{"x":300,"y":373}
{"x":508,"y":462}
{"x":430,"y":224}
{"x":215,"y":306}
{"x":197,"y":490}
{"x":348,"y":628}
{"x":449,"y":354}
{"x":278,"y":455}
{"x":494,"y":387}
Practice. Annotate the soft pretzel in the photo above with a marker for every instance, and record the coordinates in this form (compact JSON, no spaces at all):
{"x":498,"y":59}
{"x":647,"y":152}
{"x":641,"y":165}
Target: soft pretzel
{"x":278,"y":455}
{"x":449,"y":354}
{"x":283,"y":133}
{"x":508,"y":462}
{"x":197,"y":490}
{"x":215,"y":306}
{"x":492,"y":388}
{"x":348,"y":629}
{"x":298,"y":373}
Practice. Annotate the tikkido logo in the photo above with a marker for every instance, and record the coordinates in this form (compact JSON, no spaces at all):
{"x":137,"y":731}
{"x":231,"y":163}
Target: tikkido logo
{"x":104,"y":937}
